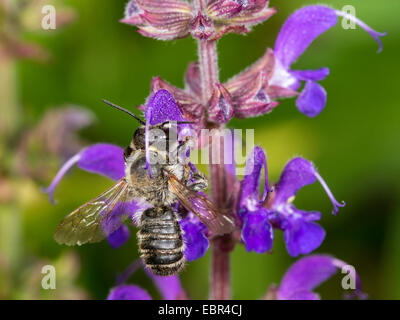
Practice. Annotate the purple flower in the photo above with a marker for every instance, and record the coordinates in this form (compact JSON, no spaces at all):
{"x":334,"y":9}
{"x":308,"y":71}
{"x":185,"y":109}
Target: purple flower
{"x":195,"y":237}
{"x":298,"y":32}
{"x":102,"y":158}
{"x":108,"y":160}
{"x":169,"y":287}
{"x":308,"y":273}
{"x":274,"y":209}
{"x":257,"y":233}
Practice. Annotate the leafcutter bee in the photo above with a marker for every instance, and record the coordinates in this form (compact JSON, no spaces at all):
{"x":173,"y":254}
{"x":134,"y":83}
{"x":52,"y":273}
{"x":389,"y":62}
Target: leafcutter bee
{"x":160,"y":238}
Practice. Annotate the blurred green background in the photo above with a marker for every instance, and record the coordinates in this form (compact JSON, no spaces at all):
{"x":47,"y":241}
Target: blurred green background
{"x":354,"y":142}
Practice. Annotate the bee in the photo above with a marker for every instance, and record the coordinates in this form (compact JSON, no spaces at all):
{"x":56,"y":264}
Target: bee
{"x":160,"y":237}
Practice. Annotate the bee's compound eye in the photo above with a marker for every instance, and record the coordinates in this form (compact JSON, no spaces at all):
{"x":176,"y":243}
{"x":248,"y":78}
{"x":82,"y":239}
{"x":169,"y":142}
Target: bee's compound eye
{"x":127,"y":152}
{"x":139,"y":138}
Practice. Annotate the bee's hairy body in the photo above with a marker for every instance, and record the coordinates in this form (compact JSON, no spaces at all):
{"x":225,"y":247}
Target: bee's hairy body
{"x":160,"y":235}
{"x":160,"y":241}
{"x":154,"y":189}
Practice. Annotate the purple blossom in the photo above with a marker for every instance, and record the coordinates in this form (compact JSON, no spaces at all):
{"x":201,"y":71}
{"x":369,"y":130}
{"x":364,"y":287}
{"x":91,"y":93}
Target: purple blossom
{"x":257,"y":233}
{"x":308,"y":273}
{"x":260,"y":214}
{"x":297,"y":33}
{"x":169,"y":287}
{"x":108,"y":160}
{"x":195,"y":237}
{"x":102,"y":158}
{"x":119,"y":237}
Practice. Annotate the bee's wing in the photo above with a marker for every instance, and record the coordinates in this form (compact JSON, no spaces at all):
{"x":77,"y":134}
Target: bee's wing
{"x":216,"y":221}
{"x":92,"y":222}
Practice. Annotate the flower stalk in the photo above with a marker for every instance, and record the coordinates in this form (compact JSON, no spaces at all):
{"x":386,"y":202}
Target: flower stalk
{"x":208,"y":62}
{"x":220,"y":286}
{"x":220,"y":281}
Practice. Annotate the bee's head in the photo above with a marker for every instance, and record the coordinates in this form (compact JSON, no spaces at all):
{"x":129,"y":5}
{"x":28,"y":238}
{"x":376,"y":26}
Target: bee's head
{"x":159,"y":132}
{"x":159,"y":136}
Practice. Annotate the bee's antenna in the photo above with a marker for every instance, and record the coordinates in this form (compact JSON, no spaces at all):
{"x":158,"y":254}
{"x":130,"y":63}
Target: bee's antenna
{"x":124,"y":110}
{"x":185,"y":122}
{"x":177,"y":122}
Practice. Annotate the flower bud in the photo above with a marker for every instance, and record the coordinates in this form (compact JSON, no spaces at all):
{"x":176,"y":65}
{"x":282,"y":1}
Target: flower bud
{"x":220,"y":107}
{"x":162,"y":20}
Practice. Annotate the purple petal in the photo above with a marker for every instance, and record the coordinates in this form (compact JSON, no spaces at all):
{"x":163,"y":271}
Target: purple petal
{"x":283,"y":78}
{"x":257,"y":233}
{"x":305,"y":275}
{"x":297,"y":173}
{"x":315,"y":75}
{"x":161,"y":107}
{"x":64,"y":169}
{"x":251,"y":181}
{"x":312,"y":99}
{"x":128,"y":292}
{"x":302,"y":237}
{"x":119,"y":237}
{"x":196,"y":242}
{"x":308,"y":273}
{"x":300,"y":30}
{"x":169,"y":287}
{"x":102,"y":158}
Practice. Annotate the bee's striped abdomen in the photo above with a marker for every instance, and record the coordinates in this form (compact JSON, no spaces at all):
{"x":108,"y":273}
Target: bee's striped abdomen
{"x":160,"y":241}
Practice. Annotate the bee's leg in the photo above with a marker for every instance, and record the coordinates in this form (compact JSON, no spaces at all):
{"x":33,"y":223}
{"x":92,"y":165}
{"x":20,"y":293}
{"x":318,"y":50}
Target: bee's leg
{"x":198,"y":181}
